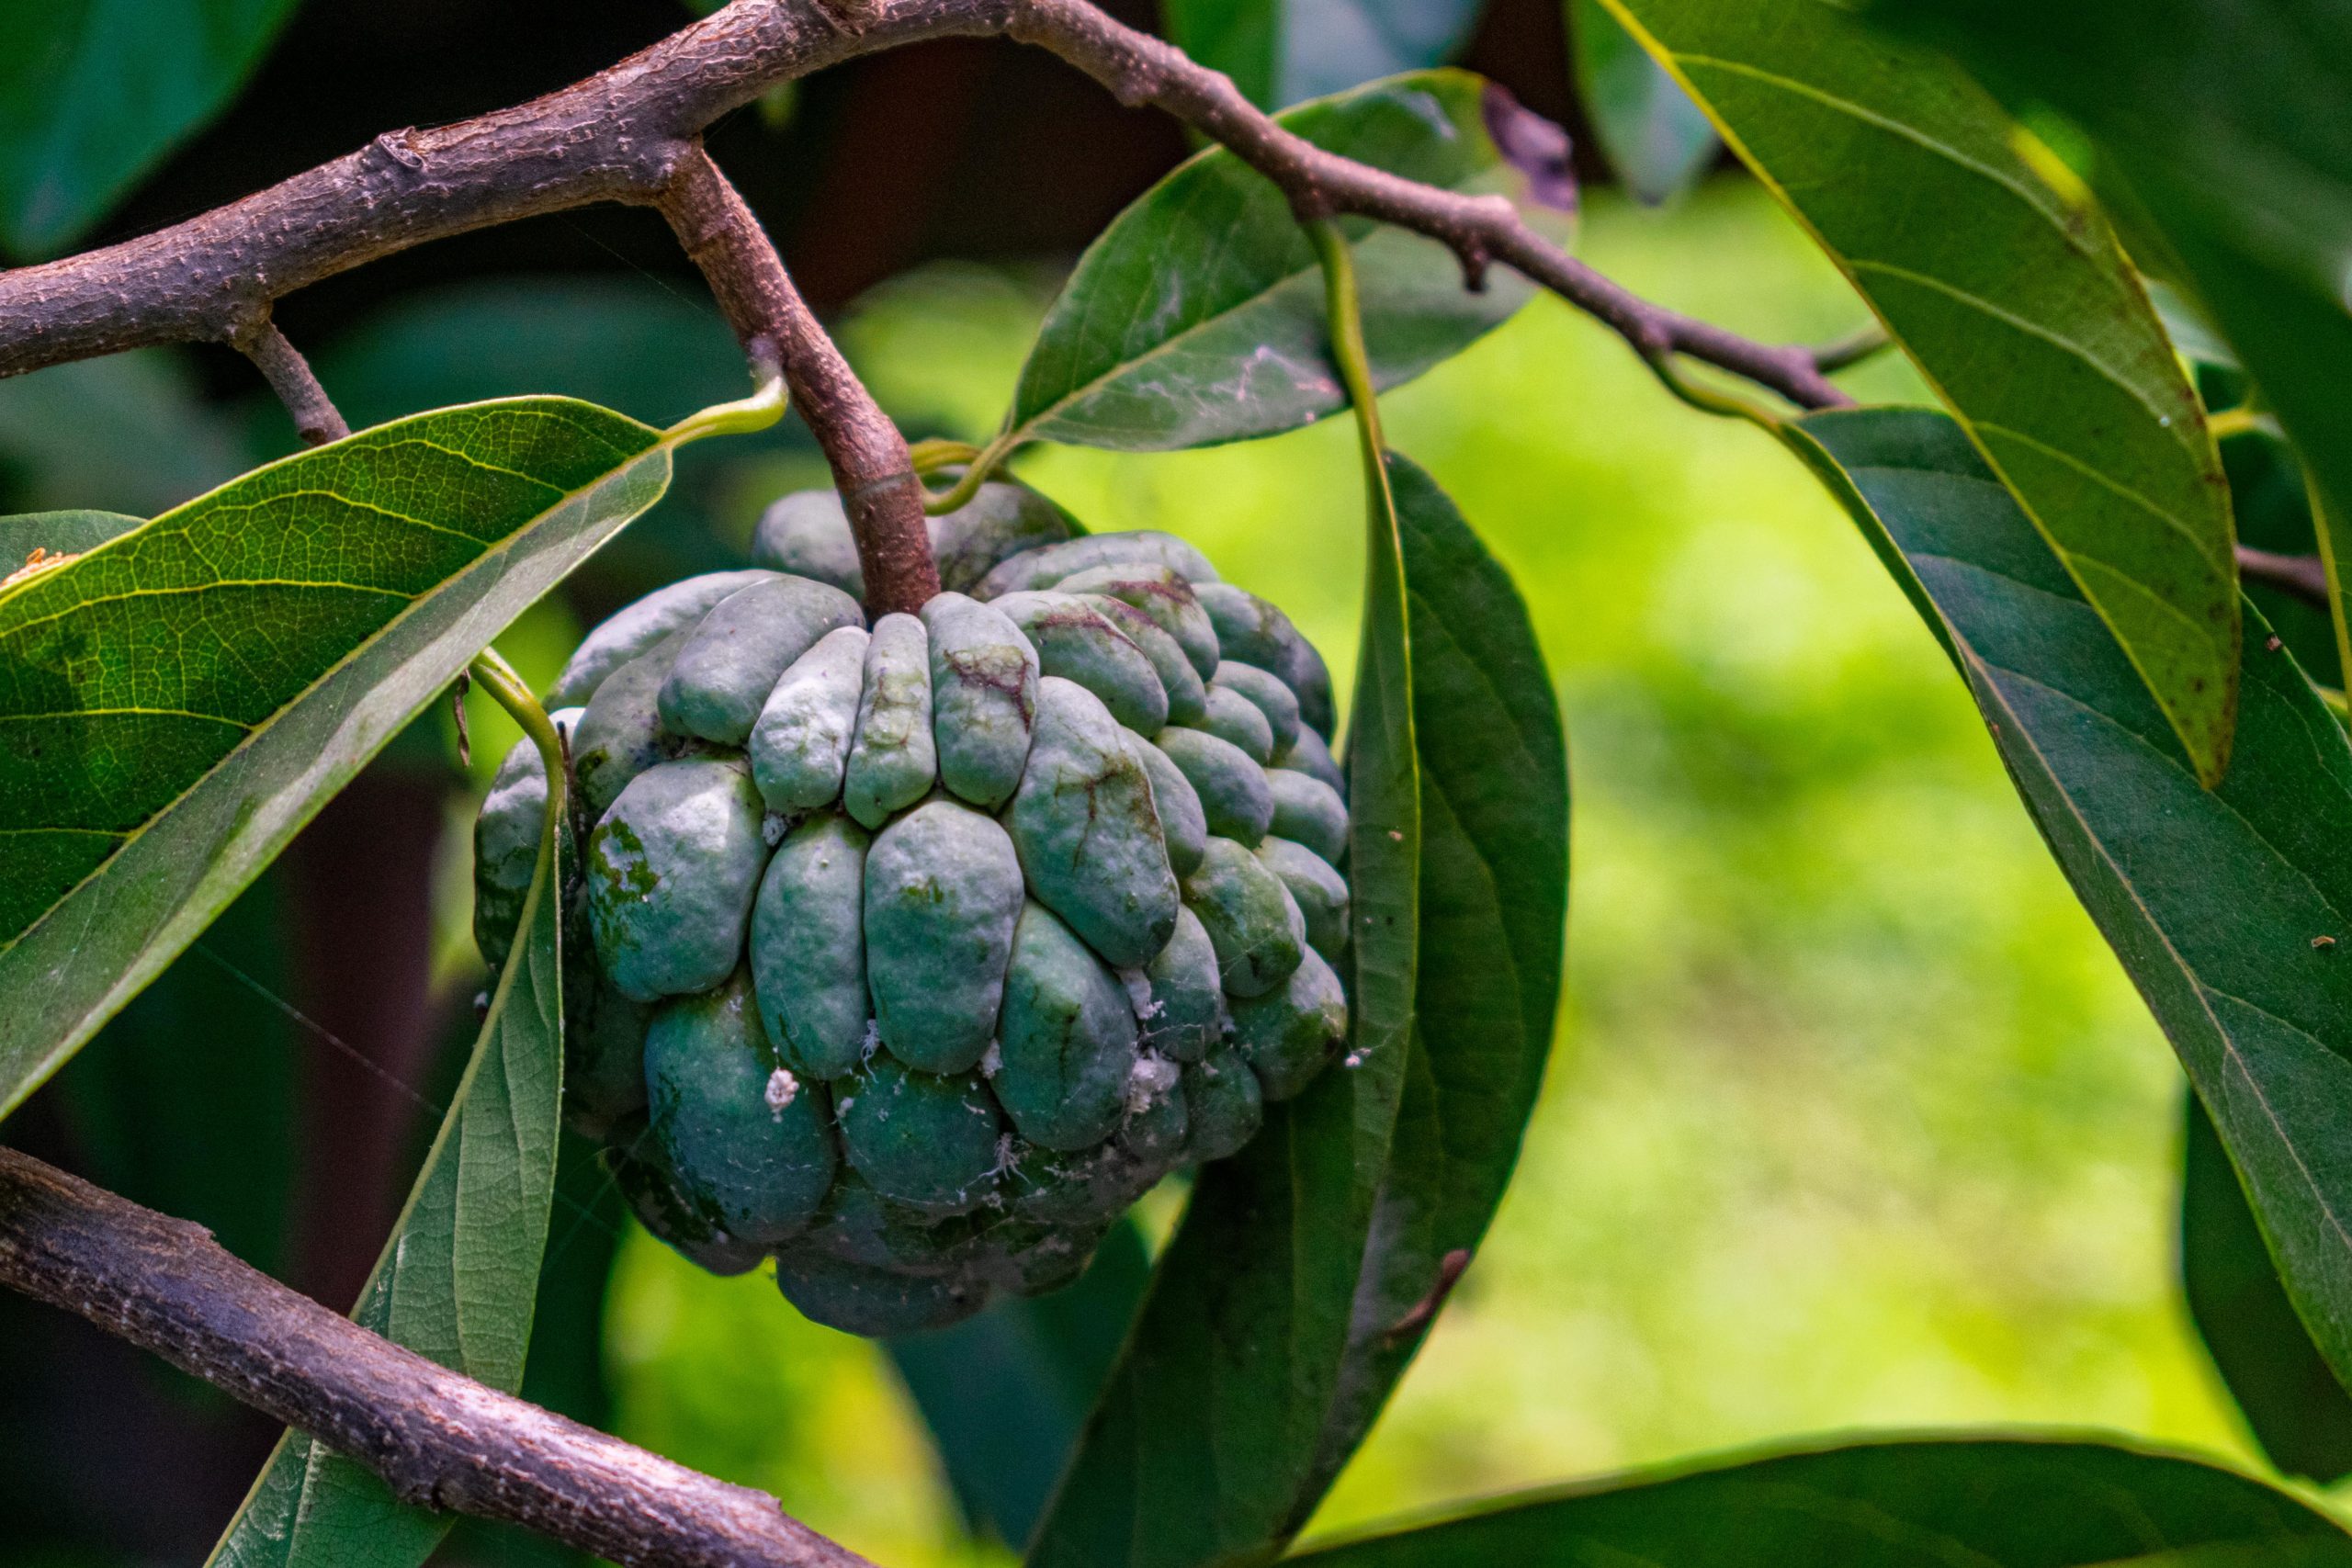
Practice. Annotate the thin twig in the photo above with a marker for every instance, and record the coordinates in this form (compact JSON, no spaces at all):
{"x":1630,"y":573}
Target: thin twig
{"x":2301,"y":576}
{"x":316,"y":419}
{"x":438,"y":1440}
{"x":868,"y":455}
{"x":622,"y":134}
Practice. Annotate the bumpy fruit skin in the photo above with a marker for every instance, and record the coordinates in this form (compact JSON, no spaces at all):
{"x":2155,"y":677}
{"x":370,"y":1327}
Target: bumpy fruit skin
{"x":907,"y":952}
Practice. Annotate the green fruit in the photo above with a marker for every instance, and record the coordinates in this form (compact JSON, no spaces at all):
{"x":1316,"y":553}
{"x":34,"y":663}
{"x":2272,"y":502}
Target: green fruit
{"x":943,"y":891}
{"x":1275,"y":700}
{"x":1087,"y":831}
{"x":671,"y":871}
{"x":1252,"y":631}
{"x":983,"y":697}
{"x":809,"y":947}
{"x":1241,"y":723}
{"x":749,"y":1142}
{"x":506,"y":843}
{"x":1319,"y":893}
{"x":1225,"y":1102}
{"x":1049,"y":564}
{"x":1077,"y":641}
{"x":636,"y":630}
{"x":806,"y":534}
{"x":1181,"y":1004}
{"x":1165,"y":595}
{"x":1066,"y":1040}
{"x":1290,"y":1033}
{"x":1236,"y":802}
{"x":620,"y":732}
{"x":1184,"y":828}
{"x":799,"y":745}
{"x":665,"y":1209}
{"x":931,"y":1143}
{"x":1248,"y":914}
{"x":1309,"y":755}
{"x":1187,"y":696}
{"x":1308,"y":811}
{"x":892,"y":760}
{"x":859,"y":1299}
{"x":732,"y":660}
{"x":604,"y":1047}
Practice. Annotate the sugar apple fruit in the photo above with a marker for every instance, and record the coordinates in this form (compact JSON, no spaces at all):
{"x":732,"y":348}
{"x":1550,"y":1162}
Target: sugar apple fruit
{"x":909,"y":951}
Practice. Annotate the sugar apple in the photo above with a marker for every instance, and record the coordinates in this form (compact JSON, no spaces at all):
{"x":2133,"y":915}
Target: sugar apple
{"x":908,"y":953}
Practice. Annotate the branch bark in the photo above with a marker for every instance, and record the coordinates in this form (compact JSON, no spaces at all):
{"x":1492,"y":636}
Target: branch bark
{"x":316,"y":419}
{"x":623,"y":135}
{"x":868,"y":456}
{"x":2301,"y":576}
{"x":438,"y":1440}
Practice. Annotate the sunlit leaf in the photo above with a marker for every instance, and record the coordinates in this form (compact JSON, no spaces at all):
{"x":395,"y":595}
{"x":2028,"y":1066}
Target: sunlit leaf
{"x":176,"y":703}
{"x":94,"y":92}
{"x":458,"y":1278}
{"x":2231,"y":909}
{"x":1197,"y":317}
{"x":2014,"y":300}
{"x":1930,"y":1502}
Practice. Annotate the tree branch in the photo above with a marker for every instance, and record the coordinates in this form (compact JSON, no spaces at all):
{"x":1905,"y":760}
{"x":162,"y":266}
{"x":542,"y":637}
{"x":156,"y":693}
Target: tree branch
{"x":437,"y":1438}
{"x":316,"y":419}
{"x":871,"y":468}
{"x":2301,"y":576}
{"x":623,"y":134}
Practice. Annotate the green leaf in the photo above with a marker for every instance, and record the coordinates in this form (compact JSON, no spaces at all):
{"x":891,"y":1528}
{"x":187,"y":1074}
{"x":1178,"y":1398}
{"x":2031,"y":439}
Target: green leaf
{"x":1197,"y":316}
{"x":2219,"y":120}
{"x":1005,"y":1394}
{"x":57,"y":534}
{"x":458,"y":1278}
{"x":1279,"y":51}
{"x":1494,"y":903}
{"x":1208,"y":1433}
{"x":94,"y":92}
{"x":1931,"y":1503}
{"x":2016,"y":303}
{"x":1657,"y":138}
{"x":2299,"y":1413}
{"x":2231,"y":909}
{"x":176,"y":703}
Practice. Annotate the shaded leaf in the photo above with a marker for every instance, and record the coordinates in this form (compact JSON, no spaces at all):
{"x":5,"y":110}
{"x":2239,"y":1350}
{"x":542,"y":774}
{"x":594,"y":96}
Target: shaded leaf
{"x":94,"y":92}
{"x":1197,"y":316}
{"x":61,"y":439}
{"x":2014,"y":301}
{"x":1279,"y":52}
{"x":1657,"y":138}
{"x":458,"y":1278}
{"x":1928,"y":1503}
{"x":1006,"y":1393}
{"x":1208,"y":1431}
{"x":57,"y":534}
{"x":2298,"y":1412}
{"x":2223,"y":121}
{"x":176,"y":703}
{"x":1494,"y":895}
{"x":2231,"y":909}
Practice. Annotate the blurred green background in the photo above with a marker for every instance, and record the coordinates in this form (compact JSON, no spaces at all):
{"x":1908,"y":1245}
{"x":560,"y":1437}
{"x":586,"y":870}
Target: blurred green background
{"x":1854,"y":1121}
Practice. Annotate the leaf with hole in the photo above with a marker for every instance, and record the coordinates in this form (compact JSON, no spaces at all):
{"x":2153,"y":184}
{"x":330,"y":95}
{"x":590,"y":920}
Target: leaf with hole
{"x":1494,"y":903}
{"x":1197,"y":316}
{"x":1657,"y":138}
{"x":178,"y":702}
{"x":2015,"y":301}
{"x":94,"y":93}
{"x":2231,"y":908}
{"x":1279,"y":52}
{"x":1923,"y":1503}
{"x":458,"y":1279}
